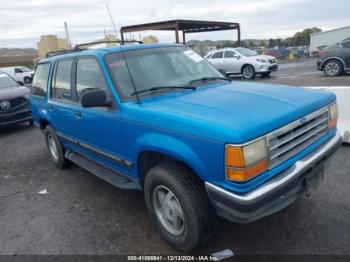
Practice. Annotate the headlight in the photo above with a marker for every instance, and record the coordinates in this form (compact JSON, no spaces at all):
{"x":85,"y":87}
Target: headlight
{"x":245,"y":162}
{"x":333,"y":115}
{"x":261,"y":60}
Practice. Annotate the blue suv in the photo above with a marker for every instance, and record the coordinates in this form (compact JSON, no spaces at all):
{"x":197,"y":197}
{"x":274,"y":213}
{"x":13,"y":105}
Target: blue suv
{"x":162,"y":119}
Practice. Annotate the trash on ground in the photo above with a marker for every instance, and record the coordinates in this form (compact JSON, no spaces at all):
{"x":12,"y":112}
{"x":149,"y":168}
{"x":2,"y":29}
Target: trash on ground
{"x":43,"y":192}
{"x":222,"y":255}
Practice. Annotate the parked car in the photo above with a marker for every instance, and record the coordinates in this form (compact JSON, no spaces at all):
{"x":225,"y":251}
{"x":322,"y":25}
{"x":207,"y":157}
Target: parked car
{"x":242,"y":61}
{"x":335,"y":60}
{"x":14,"y":102}
{"x":19,"y":73}
{"x":161,"y":119}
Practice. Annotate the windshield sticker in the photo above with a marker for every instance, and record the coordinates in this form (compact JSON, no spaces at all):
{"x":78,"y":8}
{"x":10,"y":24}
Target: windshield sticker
{"x":119,"y":63}
{"x":193,"y":55}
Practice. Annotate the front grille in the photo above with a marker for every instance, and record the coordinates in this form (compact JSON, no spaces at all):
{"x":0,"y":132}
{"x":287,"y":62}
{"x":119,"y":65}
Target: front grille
{"x":15,"y":104}
{"x":296,"y":136}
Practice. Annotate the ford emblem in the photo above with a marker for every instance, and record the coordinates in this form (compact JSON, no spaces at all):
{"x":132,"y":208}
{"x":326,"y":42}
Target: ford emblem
{"x":303,"y":120}
{"x":5,"y":105}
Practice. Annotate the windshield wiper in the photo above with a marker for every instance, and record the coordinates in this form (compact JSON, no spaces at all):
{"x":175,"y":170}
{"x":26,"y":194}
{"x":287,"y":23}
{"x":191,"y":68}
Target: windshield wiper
{"x":156,"y":88}
{"x":211,"y":78}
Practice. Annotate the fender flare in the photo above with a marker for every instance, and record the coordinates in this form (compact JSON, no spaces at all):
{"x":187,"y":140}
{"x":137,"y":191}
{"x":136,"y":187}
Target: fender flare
{"x":171,"y":147}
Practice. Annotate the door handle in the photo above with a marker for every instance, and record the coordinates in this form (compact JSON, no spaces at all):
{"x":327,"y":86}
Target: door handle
{"x":77,"y":114}
{"x":50,"y":108}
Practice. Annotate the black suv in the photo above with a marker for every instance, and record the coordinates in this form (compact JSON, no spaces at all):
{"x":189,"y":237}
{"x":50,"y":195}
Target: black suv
{"x":335,"y":60}
{"x":14,"y":103}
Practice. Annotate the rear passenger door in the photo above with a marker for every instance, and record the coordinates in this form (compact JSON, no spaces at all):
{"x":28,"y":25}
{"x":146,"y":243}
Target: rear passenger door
{"x":62,"y":101}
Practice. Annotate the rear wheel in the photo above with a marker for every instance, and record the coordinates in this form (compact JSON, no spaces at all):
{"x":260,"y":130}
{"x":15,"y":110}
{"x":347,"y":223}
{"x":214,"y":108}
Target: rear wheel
{"x":248,"y":72}
{"x":178,"y":206}
{"x":333,"y":68}
{"x":27,"y":79}
{"x":55,"y":148}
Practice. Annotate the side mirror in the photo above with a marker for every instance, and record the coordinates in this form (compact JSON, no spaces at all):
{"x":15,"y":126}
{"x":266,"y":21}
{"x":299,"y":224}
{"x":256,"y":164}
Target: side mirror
{"x":95,"y":98}
{"x":237,"y":57}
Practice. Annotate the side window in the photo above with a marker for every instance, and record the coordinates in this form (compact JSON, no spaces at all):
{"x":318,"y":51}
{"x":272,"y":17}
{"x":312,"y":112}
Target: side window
{"x":346,"y":44}
{"x":218,"y":55}
{"x":61,"y":88}
{"x":229,"y":54}
{"x":89,"y":76}
{"x":41,"y":76}
{"x":18,"y":70}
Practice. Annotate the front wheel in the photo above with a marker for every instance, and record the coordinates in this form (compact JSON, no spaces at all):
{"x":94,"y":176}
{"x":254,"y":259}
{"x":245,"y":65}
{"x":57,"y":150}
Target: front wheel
{"x":333,"y":68}
{"x":178,"y":206}
{"x":248,"y":72}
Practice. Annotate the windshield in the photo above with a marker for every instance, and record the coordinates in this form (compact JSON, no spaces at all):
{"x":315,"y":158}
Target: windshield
{"x":6,"y":81}
{"x":246,"y":52}
{"x":157,"y":67}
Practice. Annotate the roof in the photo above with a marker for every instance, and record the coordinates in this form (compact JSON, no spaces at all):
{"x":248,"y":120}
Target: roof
{"x":188,"y":26}
{"x":332,"y":30}
{"x":106,"y":50}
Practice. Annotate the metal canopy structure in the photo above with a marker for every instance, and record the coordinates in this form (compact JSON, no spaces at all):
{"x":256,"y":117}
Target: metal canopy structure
{"x":186,"y":26}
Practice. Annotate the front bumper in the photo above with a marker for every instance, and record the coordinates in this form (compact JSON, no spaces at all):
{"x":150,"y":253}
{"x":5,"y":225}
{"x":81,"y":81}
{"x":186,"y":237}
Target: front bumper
{"x":267,"y":68}
{"x":273,"y":196}
{"x":16,"y":117}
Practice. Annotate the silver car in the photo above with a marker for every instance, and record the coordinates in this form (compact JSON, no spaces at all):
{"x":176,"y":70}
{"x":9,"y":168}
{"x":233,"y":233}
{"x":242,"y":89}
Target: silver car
{"x":243,"y":61}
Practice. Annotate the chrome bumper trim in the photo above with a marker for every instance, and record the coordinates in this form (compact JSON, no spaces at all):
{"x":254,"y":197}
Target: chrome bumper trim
{"x":282,"y":179}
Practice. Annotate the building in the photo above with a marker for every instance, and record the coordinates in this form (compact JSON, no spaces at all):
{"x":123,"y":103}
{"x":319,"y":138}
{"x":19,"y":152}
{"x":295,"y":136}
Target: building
{"x":51,"y":43}
{"x":320,"y":40}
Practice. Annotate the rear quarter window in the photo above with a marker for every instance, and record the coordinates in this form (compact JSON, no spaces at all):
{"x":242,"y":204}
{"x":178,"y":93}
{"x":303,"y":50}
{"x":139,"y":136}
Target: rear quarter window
{"x":40,"y":80}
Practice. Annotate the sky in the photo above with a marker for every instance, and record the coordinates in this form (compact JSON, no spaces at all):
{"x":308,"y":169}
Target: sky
{"x":23,"y":22}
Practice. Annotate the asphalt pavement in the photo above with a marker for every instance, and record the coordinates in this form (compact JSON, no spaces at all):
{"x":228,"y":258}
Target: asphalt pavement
{"x":84,"y":215}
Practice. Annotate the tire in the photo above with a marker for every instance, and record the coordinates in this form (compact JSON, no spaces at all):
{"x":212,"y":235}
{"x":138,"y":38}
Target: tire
{"x":333,"y":67}
{"x":26,"y":79}
{"x":248,"y":72}
{"x":173,"y":192}
{"x":55,"y":148}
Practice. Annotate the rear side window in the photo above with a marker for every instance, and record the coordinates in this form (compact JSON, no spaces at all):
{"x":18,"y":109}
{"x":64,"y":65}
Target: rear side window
{"x":40,"y":79}
{"x":218,"y":55}
{"x":61,"y":88}
{"x":89,"y":76}
{"x":229,"y":54}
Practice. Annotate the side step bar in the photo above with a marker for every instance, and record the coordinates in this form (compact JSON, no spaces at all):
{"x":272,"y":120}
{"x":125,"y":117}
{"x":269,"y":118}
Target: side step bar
{"x":109,"y":175}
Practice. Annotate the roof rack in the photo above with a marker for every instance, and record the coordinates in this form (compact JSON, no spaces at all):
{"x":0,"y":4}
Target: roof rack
{"x":109,"y":42}
{"x":61,"y":52}
{"x":79,"y":48}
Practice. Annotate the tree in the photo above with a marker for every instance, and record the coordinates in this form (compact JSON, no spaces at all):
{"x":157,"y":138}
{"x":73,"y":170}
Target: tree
{"x":272,"y":43}
{"x":150,"y":39}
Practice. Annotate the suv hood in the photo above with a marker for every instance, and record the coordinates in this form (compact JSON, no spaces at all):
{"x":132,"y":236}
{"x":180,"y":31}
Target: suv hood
{"x":236,"y":112}
{"x":12,"y":92}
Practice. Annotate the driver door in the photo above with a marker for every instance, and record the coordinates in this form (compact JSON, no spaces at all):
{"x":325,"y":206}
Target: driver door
{"x":97,"y":128}
{"x":232,"y":63}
